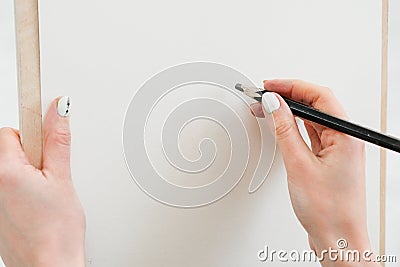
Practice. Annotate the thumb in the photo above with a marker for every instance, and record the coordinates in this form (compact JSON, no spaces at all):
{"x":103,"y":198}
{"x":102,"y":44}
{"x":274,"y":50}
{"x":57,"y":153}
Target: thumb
{"x":294,"y":150}
{"x":57,"y":138}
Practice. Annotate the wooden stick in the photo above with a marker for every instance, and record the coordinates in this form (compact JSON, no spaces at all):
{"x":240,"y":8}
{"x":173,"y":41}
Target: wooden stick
{"x":28,"y":64}
{"x":384,"y":90}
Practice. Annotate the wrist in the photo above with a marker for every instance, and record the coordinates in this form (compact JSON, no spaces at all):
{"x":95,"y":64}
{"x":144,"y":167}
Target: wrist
{"x":60,"y":254}
{"x":351,"y":249}
{"x":60,"y":261}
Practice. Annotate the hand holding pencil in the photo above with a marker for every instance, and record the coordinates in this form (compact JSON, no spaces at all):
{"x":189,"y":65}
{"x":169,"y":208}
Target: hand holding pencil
{"x":327,"y":182}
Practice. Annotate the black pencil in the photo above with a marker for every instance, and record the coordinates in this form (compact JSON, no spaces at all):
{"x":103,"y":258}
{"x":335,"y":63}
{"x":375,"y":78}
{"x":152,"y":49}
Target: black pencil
{"x":309,"y":113}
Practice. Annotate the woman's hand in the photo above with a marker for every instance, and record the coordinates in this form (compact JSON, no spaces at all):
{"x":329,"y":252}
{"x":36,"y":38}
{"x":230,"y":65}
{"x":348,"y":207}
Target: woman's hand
{"x":326,"y":183}
{"x":42,"y":222}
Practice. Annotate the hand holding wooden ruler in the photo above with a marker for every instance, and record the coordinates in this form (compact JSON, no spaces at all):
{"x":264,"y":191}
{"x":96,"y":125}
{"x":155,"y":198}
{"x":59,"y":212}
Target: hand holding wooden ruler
{"x":29,"y":93}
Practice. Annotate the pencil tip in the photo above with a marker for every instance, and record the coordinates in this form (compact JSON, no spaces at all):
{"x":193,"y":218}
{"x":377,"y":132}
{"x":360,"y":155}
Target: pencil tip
{"x":238,"y":86}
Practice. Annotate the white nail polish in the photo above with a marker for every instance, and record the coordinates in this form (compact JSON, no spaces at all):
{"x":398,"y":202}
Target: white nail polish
{"x":270,"y":102}
{"x":63,"y":106}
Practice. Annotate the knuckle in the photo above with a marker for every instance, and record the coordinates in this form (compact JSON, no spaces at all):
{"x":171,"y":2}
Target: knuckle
{"x":328,"y":92}
{"x":284,"y":128}
{"x":5,"y":134}
{"x":62,"y":137}
{"x":6,"y":131}
{"x":296,"y":83}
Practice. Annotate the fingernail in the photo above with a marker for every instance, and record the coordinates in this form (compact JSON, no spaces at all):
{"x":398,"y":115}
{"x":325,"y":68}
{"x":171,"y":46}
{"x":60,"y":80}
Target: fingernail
{"x":63,"y":106}
{"x":270,"y":102}
{"x":256,"y":110}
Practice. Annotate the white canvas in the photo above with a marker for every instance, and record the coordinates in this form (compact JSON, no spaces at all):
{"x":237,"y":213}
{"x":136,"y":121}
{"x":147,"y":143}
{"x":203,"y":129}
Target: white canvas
{"x":101,"y":52}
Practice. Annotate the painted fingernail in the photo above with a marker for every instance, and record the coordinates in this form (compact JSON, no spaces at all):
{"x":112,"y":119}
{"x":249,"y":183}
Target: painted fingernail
{"x":63,"y":106}
{"x":256,"y":110}
{"x":270,"y":102}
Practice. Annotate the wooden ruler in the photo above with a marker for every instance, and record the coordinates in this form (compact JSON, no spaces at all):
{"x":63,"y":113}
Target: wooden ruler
{"x":28,"y":64}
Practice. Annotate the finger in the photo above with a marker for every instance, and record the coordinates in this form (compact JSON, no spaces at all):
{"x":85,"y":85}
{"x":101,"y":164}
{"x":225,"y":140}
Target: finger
{"x":295,"y":151}
{"x":314,"y":138}
{"x":317,"y":96}
{"x":10,"y":145}
{"x":9,"y":140}
{"x":57,"y":138}
{"x":256,"y":110}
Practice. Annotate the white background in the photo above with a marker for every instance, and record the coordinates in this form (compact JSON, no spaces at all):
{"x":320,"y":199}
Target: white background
{"x":100,"y":52}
